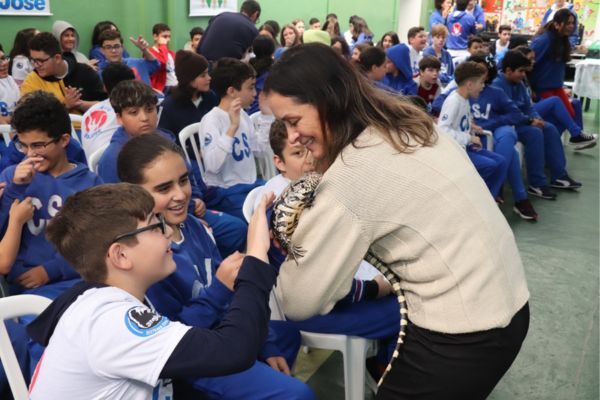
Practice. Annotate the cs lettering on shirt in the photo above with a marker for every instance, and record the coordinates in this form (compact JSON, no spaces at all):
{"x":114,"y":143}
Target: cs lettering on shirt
{"x":241,"y":149}
{"x":477,"y":114}
{"x":37,"y":225}
{"x":4,"y":111}
{"x":465,"y":125}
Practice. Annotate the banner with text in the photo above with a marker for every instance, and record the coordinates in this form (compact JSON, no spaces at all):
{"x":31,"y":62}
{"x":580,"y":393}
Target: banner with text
{"x":25,"y":7}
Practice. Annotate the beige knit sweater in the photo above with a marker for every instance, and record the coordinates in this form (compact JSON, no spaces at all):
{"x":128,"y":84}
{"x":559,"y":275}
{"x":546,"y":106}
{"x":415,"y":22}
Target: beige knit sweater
{"x":430,"y":216}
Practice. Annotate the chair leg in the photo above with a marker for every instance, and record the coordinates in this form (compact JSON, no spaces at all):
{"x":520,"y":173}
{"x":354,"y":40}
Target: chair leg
{"x":354,"y":368}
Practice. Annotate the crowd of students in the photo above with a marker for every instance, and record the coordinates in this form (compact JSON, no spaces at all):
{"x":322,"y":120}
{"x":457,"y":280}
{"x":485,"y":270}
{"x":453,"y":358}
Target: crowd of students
{"x":62,"y":223}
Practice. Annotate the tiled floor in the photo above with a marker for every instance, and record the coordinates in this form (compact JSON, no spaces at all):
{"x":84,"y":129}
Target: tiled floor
{"x":559,"y":359}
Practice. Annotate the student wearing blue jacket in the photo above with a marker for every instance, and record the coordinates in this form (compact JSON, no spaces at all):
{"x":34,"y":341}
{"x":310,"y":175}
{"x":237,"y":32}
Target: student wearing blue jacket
{"x":550,"y":109}
{"x":439,"y":34}
{"x":559,"y":5}
{"x":461,"y":24}
{"x":542,"y":142}
{"x":476,"y":11}
{"x":439,"y":14}
{"x":399,"y":71}
{"x":200,"y":290}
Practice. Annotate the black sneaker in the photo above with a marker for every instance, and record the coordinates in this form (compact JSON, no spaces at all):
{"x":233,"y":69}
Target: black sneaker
{"x":525,"y":210}
{"x":583,"y":141}
{"x":565,"y":183}
{"x":543,"y":192}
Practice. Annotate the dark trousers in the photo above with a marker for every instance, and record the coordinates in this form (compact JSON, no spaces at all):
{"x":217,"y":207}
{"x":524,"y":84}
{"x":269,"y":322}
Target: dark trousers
{"x":467,"y":366}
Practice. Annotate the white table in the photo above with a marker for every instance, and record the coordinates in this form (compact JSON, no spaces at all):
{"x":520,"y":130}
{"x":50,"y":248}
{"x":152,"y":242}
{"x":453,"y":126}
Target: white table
{"x":587,"y":79}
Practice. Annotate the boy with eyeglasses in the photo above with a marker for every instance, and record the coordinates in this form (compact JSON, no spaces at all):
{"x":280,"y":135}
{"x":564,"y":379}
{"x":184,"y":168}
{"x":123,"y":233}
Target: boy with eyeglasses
{"x":121,"y":248}
{"x":48,"y":177}
{"x":111,"y":45}
{"x":75,"y":84}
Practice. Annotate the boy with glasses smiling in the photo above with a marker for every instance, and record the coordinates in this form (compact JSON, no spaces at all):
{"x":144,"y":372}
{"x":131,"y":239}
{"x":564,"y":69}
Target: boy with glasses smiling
{"x":76,"y":85}
{"x":111,"y":45}
{"x":121,"y":248}
{"x":48,"y":177}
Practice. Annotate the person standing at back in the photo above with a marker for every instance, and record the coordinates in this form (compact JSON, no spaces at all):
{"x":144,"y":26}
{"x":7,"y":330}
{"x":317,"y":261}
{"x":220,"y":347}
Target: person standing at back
{"x":230,"y":34}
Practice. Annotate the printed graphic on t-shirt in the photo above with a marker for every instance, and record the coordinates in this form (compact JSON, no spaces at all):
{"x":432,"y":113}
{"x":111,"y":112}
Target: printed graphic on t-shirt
{"x":456,"y":29}
{"x":142,"y":321}
{"x":4,"y":112}
{"x":94,"y":122}
{"x":238,"y":151}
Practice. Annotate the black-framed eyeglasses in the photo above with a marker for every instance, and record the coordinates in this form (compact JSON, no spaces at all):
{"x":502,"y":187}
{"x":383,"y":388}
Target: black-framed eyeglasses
{"x":38,"y":146}
{"x":114,"y":47}
{"x":36,"y":62}
{"x":161,"y":224}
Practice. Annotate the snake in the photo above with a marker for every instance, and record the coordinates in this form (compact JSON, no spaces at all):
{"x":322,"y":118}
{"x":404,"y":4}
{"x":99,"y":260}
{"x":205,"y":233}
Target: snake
{"x":287,"y":210}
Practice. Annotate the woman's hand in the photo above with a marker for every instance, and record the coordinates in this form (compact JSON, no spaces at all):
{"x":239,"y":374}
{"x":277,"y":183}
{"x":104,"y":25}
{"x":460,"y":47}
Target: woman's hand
{"x":258,"y":230}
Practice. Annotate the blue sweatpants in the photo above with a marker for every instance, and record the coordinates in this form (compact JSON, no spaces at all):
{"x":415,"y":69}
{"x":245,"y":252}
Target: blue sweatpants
{"x":505,"y":138}
{"x":231,"y":200}
{"x":229,"y":231}
{"x":258,"y":382}
{"x":373,"y":319}
{"x":554,"y":111}
{"x":542,"y":147}
{"x":492,"y":168}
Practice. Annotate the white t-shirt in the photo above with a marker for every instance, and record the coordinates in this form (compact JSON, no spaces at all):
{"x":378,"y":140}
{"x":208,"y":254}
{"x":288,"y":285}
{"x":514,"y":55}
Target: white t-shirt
{"x":21,"y":67}
{"x":262,"y":126}
{"x":107,"y":345}
{"x":455,"y":118}
{"x":171,"y":77}
{"x":415,"y":57}
{"x":228,"y":160}
{"x":98,"y":125}
{"x":9,"y":95}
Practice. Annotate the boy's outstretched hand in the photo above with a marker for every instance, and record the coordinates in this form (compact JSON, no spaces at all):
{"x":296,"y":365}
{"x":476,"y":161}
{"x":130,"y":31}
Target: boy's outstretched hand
{"x":258,"y":230}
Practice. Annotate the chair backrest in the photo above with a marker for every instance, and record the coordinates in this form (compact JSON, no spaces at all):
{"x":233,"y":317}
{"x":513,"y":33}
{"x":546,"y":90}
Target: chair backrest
{"x":76,"y":120}
{"x":248,"y":206}
{"x":5,"y":130}
{"x":94,"y":159}
{"x":192,"y":133}
{"x":13,"y":307}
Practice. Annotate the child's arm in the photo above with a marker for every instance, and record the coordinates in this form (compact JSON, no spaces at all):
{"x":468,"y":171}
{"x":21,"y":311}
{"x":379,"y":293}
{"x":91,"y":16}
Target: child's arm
{"x":143,"y":45}
{"x":217,"y":143}
{"x":20,"y":212}
{"x":447,"y":122}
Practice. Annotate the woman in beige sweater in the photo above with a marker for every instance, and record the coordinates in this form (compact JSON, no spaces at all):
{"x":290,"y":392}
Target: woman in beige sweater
{"x":395,"y":185}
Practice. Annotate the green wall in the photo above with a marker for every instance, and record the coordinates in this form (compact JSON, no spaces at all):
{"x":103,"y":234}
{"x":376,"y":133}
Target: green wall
{"x":135,"y":17}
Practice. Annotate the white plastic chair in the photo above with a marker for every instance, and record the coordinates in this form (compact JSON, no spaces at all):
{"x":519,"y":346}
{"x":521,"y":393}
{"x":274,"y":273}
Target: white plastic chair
{"x":76,"y":120}
{"x":13,"y":307}
{"x":5,"y":130}
{"x":248,"y":206}
{"x":490,"y":140}
{"x":354,"y":349}
{"x":192,"y":133}
{"x":94,"y":159}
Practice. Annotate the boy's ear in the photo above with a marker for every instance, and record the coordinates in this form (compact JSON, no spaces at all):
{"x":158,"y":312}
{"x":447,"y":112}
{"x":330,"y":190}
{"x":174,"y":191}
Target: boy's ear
{"x":118,"y":257}
{"x":65,"y":138}
{"x":231,"y":91}
{"x":119,"y":120}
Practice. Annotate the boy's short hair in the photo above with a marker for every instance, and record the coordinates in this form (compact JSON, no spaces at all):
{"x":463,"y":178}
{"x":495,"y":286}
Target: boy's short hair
{"x":278,"y":137}
{"x":429,"y":62}
{"x":41,"y":111}
{"x":114,"y":73}
{"x":109,"y":34}
{"x":46,"y":42}
{"x":461,"y":5}
{"x":414,"y":31}
{"x":229,"y":72}
{"x":474,"y":39}
{"x":139,"y":152}
{"x":370,"y":57}
{"x":514,"y":60}
{"x":249,"y":7}
{"x":313,"y":20}
{"x":197,"y":30}
{"x":87,"y":224}
{"x":439,"y":30}
{"x":504,"y":27}
{"x":159,"y":28}
{"x":273,"y":24}
{"x":131,"y":93}
{"x":467,"y":71}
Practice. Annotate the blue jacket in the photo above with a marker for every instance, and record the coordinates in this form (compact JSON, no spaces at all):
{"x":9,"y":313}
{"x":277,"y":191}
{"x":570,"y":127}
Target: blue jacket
{"x":447,"y":69}
{"x":12,"y":156}
{"x":547,"y":73}
{"x":493,"y":109}
{"x":574,"y":37}
{"x":260,"y":84}
{"x":479,"y":15}
{"x":518,"y":93}
{"x":49,"y":194}
{"x":178,"y":113}
{"x":403,"y":82}
{"x":436,"y":18}
{"x":460,"y":26}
